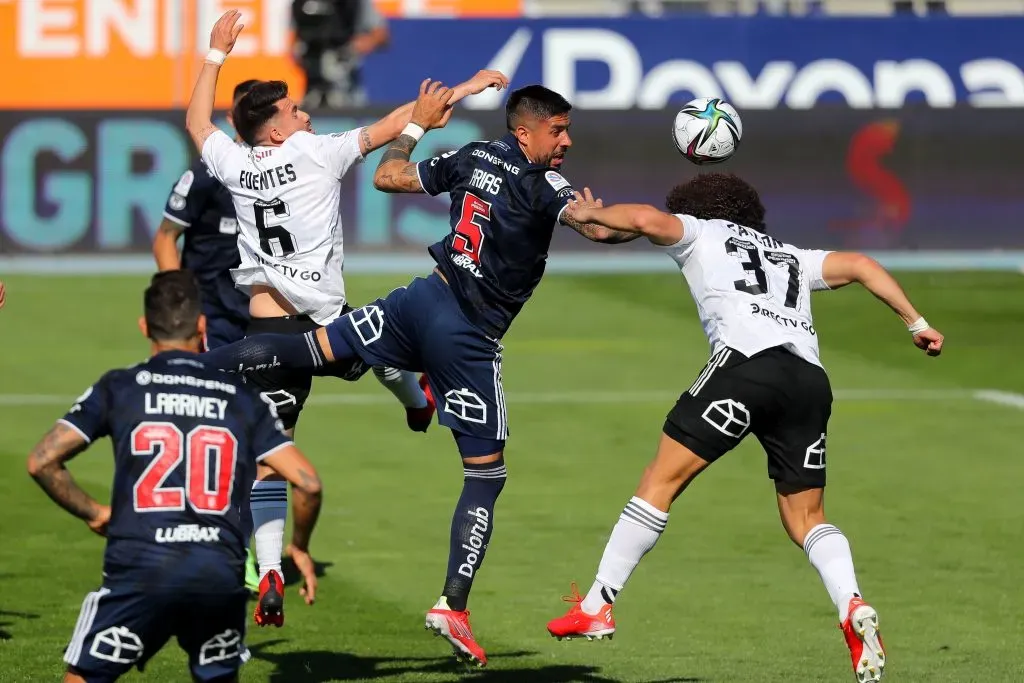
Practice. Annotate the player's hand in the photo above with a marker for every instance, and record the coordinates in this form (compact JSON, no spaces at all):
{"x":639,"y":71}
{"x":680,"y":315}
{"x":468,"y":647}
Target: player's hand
{"x":581,"y":208}
{"x":432,"y":108}
{"x":929,"y":341}
{"x":307,"y":568}
{"x":98,"y":524}
{"x":225,"y":31}
{"x":484,"y":79}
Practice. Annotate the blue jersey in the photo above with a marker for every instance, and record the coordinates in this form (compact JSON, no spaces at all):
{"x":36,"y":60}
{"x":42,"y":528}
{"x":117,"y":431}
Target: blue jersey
{"x":203,"y":207}
{"x":186,"y":442}
{"x":503,"y":213}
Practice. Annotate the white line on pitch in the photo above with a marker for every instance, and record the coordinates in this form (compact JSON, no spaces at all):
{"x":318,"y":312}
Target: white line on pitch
{"x":604,"y":396}
{"x":1003,"y":398}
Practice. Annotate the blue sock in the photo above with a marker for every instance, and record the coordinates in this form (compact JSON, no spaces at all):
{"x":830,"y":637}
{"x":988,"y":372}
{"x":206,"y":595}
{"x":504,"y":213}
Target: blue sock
{"x":265,"y":351}
{"x":472,"y":526}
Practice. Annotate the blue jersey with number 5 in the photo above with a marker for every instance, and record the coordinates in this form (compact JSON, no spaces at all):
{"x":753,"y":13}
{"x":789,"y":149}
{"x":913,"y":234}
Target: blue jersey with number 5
{"x":186,"y":442}
{"x":503,"y":212}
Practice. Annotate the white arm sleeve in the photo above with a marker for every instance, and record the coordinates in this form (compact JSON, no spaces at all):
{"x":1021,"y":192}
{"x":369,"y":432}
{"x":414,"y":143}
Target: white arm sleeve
{"x":811,"y":261}
{"x":218,"y":152}
{"x":692,"y":230}
{"x":340,"y":151}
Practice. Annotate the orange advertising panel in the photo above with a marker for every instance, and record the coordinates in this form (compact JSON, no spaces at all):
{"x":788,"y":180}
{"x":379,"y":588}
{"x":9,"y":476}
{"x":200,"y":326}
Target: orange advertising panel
{"x":144,"y":54}
{"x":83,"y":54}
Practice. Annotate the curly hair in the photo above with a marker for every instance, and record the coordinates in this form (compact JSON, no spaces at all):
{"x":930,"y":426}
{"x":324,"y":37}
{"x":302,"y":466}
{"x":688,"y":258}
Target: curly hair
{"x":722,"y":196}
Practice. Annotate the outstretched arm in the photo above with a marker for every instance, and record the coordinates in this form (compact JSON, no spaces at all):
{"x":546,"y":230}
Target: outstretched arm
{"x":621,"y":222}
{"x":390,"y":127}
{"x":46,"y":465}
{"x":842,"y":268}
{"x":199,"y":116}
{"x":395,"y":173}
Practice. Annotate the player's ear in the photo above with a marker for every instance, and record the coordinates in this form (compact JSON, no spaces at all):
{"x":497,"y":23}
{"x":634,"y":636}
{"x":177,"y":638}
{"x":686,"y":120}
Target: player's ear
{"x":143,"y":327}
{"x":201,"y":326}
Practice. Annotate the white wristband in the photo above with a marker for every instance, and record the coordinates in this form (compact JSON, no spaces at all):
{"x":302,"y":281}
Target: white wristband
{"x":215,"y":57}
{"x":918,"y":326}
{"x":413,"y":131}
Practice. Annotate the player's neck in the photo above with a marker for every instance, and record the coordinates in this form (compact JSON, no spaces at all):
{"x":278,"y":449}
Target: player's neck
{"x":186,"y":345}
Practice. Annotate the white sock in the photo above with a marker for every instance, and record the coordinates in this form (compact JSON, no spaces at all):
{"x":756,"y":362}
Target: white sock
{"x":403,"y":384}
{"x":829,"y":552}
{"x":638,"y":529}
{"x":269,"y":506}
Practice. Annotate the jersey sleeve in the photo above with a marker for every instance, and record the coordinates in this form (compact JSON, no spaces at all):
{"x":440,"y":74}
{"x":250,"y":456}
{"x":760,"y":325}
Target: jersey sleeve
{"x":219,"y":154}
{"x":693,"y":228}
{"x":268,"y":432}
{"x":90,"y":415}
{"x":811,"y":263}
{"x":439,"y":174}
{"x":552,"y":193}
{"x":188,"y":197}
{"x":340,"y":151}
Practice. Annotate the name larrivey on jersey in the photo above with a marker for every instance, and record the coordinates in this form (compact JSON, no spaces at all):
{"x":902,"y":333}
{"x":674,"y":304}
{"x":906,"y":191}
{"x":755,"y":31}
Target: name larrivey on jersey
{"x":186,"y":405}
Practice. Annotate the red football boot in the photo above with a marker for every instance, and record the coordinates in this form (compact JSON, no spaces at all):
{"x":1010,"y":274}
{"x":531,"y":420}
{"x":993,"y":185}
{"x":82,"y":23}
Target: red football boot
{"x":864,"y":641}
{"x":455,"y":628}
{"x":578,"y":624}
{"x":270,"y":606}
{"x":419,"y":419}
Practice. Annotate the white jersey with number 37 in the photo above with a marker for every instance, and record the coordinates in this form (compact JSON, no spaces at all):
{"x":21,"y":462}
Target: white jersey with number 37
{"x":752,"y":291}
{"x":288,"y":202}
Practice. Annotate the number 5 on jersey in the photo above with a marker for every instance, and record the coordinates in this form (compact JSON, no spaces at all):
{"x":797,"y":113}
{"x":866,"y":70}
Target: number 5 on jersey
{"x":469,"y":234}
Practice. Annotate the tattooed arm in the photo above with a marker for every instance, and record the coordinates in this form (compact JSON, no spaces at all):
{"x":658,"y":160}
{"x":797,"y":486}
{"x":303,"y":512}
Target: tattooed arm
{"x":629,"y":220}
{"x":390,"y":127}
{"x":598,"y":233}
{"x":395,"y":173}
{"x":574,"y":216}
{"x":46,"y":465}
{"x":289,"y":462}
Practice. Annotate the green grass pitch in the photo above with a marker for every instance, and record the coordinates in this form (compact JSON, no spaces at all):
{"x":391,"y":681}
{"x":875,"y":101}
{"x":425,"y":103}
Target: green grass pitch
{"x":925,"y":478}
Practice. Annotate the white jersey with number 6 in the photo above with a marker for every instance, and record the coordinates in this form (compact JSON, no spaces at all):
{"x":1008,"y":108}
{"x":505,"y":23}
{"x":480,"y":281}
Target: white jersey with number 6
{"x":288,"y":202}
{"x":752,"y":291}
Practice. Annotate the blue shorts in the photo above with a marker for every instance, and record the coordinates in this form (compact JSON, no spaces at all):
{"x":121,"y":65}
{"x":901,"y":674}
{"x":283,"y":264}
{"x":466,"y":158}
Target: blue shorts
{"x":122,"y":627}
{"x":421,"y":328}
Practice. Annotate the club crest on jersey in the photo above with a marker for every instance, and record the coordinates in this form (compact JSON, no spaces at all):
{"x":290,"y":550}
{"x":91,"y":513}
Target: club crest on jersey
{"x":556,"y":180}
{"x":176,"y":202}
{"x":184,"y":184}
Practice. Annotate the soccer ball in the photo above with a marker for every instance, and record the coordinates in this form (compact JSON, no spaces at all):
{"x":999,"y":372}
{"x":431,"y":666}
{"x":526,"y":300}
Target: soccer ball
{"x":707,"y":130}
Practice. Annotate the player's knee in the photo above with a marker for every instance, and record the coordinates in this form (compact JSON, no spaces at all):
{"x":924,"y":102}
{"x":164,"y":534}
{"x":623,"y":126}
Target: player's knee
{"x":801,"y":509}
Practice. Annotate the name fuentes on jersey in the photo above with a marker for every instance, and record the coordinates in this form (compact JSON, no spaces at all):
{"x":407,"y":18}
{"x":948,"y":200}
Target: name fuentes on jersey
{"x":269,"y":179}
{"x":782,"y":320}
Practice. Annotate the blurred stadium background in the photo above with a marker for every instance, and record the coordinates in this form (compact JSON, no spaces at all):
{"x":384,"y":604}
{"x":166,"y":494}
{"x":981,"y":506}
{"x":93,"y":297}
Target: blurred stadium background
{"x":879,"y":125}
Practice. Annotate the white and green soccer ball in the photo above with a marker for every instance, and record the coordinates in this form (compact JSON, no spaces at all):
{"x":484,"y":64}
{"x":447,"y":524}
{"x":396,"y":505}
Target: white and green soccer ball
{"x":707,"y":130}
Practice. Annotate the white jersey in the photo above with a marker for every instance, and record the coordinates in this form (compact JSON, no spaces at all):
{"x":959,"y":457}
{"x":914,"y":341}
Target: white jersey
{"x":752,"y":291}
{"x":288,"y":203}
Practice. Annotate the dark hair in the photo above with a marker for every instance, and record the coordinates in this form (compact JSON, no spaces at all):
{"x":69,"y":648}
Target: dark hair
{"x":256,"y":107}
{"x":536,"y":101}
{"x":242,"y":88}
{"x":172,"y":304}
{"x":723,"y":196}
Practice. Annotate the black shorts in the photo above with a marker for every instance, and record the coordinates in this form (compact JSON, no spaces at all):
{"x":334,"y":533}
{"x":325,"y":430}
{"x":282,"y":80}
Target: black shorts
{"x":775,"y":395}
{"x":287,"y":388}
